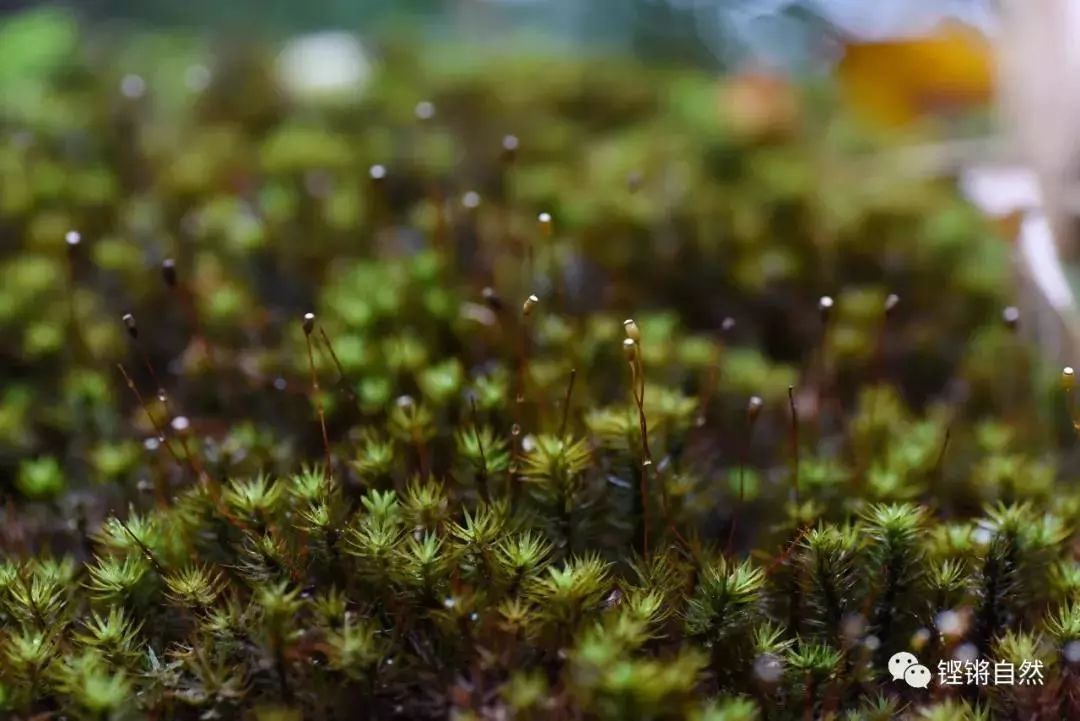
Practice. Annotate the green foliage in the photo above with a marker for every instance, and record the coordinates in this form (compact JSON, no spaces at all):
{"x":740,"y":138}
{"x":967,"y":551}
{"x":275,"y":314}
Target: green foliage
{"x":113,"y":635}
{"x":194,"y":586}
{"x":355,"y":649}
{"x":254,"y":500}
{"x":40,"y":478}
{"x":830,"y":561}
{"x":116,"y":580}
{"x":571,"y":592}
{"x":727,"y":600}
{"x":459,"y":506}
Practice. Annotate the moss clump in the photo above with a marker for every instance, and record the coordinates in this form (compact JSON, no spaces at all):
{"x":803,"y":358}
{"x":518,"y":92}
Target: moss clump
{"x":464,"y":485}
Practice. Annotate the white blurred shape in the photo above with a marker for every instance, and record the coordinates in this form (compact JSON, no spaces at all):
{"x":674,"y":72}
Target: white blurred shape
{"x":888,"y":19}
{"x":1040,"y":80}
{"x":324,"y":65}
{"x":197,"y":78}
{"x":1001,"y":190}
{"x":133,"y":86}
{"x":1041,"y":255}
{"x":768,"y":668}
{"x":949,"y":623}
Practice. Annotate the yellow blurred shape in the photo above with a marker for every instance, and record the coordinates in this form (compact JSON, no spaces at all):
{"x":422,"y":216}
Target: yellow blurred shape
{"x":896,"y":82}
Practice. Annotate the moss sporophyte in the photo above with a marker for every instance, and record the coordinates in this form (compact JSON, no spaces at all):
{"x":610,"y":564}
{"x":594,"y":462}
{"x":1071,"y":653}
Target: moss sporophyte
{"x":313,"y":409}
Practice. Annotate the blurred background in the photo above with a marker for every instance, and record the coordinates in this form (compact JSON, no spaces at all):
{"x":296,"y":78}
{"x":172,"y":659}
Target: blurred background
{"x":983,"y":88}
{"x":721,"y":165}
{"x":797,"y":35}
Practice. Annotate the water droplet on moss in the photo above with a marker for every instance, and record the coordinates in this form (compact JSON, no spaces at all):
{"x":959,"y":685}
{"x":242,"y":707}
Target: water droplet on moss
{"x":133,"y":86}
{"x":197,"y":78}
{"x":425,"y":110}
{"x":825,"y":306}
{"x":891,"y":302}
{"x":966,"y":652}
{"x":129,"y":323}
{"x":1011,"y":317}
{"x":768,"y":668}
{"x":168,"y":272}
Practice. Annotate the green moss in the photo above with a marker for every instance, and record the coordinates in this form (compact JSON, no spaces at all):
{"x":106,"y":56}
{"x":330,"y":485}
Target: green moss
{"x":483,"y":511}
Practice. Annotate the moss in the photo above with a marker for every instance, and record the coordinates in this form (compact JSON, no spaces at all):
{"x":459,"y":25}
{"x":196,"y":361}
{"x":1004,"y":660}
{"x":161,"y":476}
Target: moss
{"x":465,"y":487}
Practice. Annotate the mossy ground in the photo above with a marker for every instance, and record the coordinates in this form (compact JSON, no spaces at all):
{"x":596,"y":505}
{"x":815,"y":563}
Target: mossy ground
{"x":439,"y":498}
